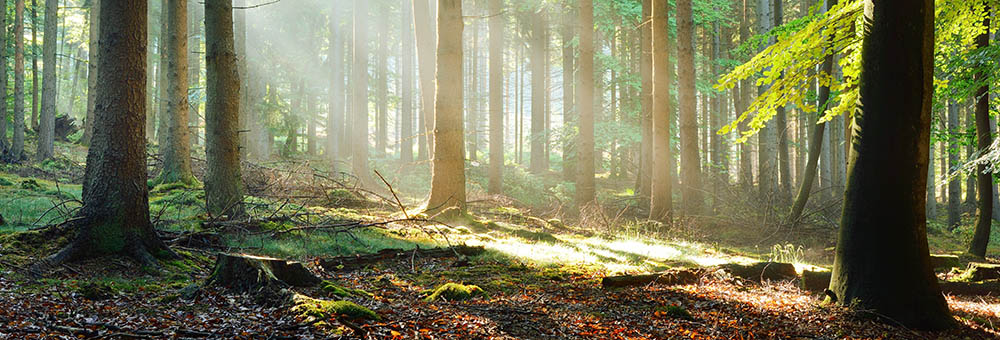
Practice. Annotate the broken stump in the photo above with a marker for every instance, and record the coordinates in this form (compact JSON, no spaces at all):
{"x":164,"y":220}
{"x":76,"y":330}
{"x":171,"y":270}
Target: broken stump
{"x":247,"y":273}
{"x":773,"y":271}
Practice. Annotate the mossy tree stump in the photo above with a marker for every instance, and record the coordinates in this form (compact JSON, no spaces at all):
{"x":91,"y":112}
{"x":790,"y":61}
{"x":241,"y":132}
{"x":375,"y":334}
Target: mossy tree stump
{"x":247,"y":273}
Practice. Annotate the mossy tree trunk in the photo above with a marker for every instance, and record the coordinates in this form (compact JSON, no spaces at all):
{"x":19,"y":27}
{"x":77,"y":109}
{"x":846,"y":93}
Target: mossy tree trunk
{"x":882,"y":263}
{"x":223,"y":181}
{"x":177,"y":150}
{"x":448,"y":165}
{"x":3,"y":82}
{"x":115,"y":213}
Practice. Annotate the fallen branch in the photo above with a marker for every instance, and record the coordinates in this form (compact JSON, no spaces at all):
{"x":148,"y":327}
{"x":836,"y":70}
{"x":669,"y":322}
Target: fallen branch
{"x":357,"y":261}
{"x":671,"y":277}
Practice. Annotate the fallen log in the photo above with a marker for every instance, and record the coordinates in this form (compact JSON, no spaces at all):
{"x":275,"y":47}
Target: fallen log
{"x":989,"y":287}
{"x":982,"y":271}
{"x":247,"y":273}
{"x":357,"y":261}
{"x":757,"y":272}
{"x":670,"y":277}
{"x":815,"y":281}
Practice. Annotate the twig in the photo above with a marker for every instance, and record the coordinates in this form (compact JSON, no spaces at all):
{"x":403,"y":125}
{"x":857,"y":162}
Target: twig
{"x":391,"y":190}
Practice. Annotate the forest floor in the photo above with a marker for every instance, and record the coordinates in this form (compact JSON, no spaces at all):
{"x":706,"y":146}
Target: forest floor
{"x":541,"y":276}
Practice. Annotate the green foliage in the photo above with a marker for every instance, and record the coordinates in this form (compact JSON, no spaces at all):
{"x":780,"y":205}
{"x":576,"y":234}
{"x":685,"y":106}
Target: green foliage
{"x":325,"y":309}
{"x":333,"y":289}
{"x":788,"y":253}
{"x":455,"y":292}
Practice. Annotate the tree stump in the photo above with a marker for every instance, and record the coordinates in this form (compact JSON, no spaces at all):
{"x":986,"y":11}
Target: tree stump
{"x":945,"y":261}
{"x":982,"y":272}
{"x":773,"y":271}
{"x":247,"y":273}
{"x":815,"y":281}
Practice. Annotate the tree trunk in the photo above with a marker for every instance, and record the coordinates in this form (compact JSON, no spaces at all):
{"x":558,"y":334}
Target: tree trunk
{"x":931,"y":208}
{"x":585,"y":187}
{"x":691,"y":195}
{"x":335,"y":115}
{"x":47,"y":121}
{"x":882,"y":263}
{"x":115,"y":214}
{"x":223,"y":181}
{"x":496,"y":36}
{"x":95,"y":22}
{"x":406,"y":130}
{"x":781,"y":128}
{"x":34,"y":65}
{"x":359,"y":158}
{"x":177,"y":150}
{"x":247,"y":273}
{"x":448,"y":166}
{"x":644,"y":179}
{"x":661,"y":193}
{"x":981,"y":237}
{"x":423,"y":32}
{"x":195,"y":18}
{"x":162,"y":117}
{"x":381,"y":88}
{"x":4,"y":146}
{"x":537,"y":136}
{"x":17,"y":144}
{"x":715,"y":167}
{"x":954,"y":185}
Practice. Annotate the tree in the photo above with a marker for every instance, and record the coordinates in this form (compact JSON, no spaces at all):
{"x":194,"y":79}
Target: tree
{"x":359,"y":95}
{"x":765,"y":148}
{"x":381,"y":83}
{"x":3,"y":83}
{"x":691,"y":196}
{"x":661,"y":192}
{"x":195,"y":18}
{"x":448,"y":165}
{"x":781,"y":129}
{"x":406,"y":128}
{"x":34,"y":65}
{"x":335,"y":117}
{"x":496,"y":43}
{"x":17,"y":145}
{"x":177,"y":150}
{"x":162,"y":120}
{"x":223,"y":181}
{"x":569,"y":102}
{"x":585,"y":187}
{"x":423,"y":32}
{"x":882,"y":263}
{"x":954,"y":185}
{"x":539,"y":29}
{"x":47,"y":121}
{"x":984,"y":218}
{"x":114,"y":218}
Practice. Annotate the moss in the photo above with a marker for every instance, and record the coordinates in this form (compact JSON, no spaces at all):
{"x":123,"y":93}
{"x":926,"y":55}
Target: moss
{"x":96,"y":290}
{"x":167,"y":187}
{"x":674,"y":311}
{"x":455,"y":292}
{"x":333,"y":289}
{"x":5,"y":183}
{"x":30,"y":184}
{"x":309,"y":307}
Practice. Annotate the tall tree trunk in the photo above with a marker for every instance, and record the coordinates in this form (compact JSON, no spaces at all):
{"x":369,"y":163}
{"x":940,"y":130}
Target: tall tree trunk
{"x":177,"y":150}
{"x":77,"y":71}
{"x":954,"y":186}
{"x":17,"y":144}
{"x":984,"y":220}
{"x":766,"y":136}
{"x":931,"y":208}
{"x":569,"y":95}
{"x":423,"y":31}
{"x":882,"y":263}
{"x":359,"y":95}
{"x":448,"y":166}
{"x":406,"y":130}
{"x":645,"y":173}
{"x":715,"y":167}
{"x":195,"y":18}
{"x":223,"y":181}
{"x":95,"y":23}
{"x":4,"y":146}
{"x":34,"y":65}
{"x":381,"y":88}
{"x":496,"y":43}
{"x":968,"y":122}
{"x":815,"y":142}
{"x":746,"y":148}
{"x":335,"y":115}
{"x":162,"y":117}
{"x":661,"y":192}
{"x":537,"y":136}
{"x":691,"y":195}
{"x":115,"y":214}
{"x":781,"y":128}
{"x":47,"y":121}
{"x":585,"y":187}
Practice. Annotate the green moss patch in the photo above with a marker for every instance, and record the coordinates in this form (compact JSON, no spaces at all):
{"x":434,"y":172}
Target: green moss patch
{"x":673,"y":312}
{"x":309,"y":307}
{"x":455,"y":292}
{"x":96,"y":290}
{"x":333,"y":289}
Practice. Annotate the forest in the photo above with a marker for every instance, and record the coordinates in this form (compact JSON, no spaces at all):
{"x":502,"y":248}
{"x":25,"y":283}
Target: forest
{"x":499,"y":169}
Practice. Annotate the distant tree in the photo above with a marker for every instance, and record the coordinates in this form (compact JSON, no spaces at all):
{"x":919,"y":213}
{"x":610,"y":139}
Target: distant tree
{"x":984,"y":220}
{"x":162,"y":118}
{"x":954,"y":184}
{"x":423,"y":31}
{"x":746,"y":149}
{"x":381,"y":80}
{"x":781,"y":130}
{"x":766,"y":176}
{"x":448,"y":166}
{"x":93,"y":46}
{"x":34,"y":65}
{"x":195,"y":18}
{"x":223,"y":180}
{"x":882,"y":264}
{"x":114,"y":219}
{"x":17,"y":145}
{"x":335,"y":116}
{"x":47,"y":121}
{"x":177,"y":150}
{"x":496,"y":36}
{"x":359,"y":95}
{"x":569,"y":95}
{"x":585,"y":187}
{"x":406,"y":111}
{"x":539,"y":29}
{"x":691,"y":196}
{"x":4,"y":146}
{"x":661,"y":192}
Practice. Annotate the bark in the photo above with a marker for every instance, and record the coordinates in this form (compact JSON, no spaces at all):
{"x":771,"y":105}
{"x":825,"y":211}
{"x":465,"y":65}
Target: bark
{"x":644,"y":180}
{"x":406,"y":121}
{"x":223,"y":181}
{"x":177,"y":150}
{"x":247,"y":273}
{"x":954,"y":185}
{"x":765,"y":148}
{"x":537,"y":136}
{"x":585,"y":187}
{"x":195,"y":18}
{"x":715,"y":167}
{"x":931,"y":208}
{"x":114,"y":218}
{"x":4,"y":146}
{"x":671,"y":277}
{"x":781,"y":128}
{"x":162,"y":116}
{"x":496,"y":44}
{"x":746,"y":149}
{"x":423,"y":32}
{"x":359,"y":95}
{"x":815,"y":141}
{"x":661,"y":180}
{"x":882,"y":263}
{"x":691,"y":195}
{"x":47,"y":121}
{"x":34,"y":65}
{"x":569,"y":96}
{"x":448,"y":165}
{"x":95,"y":22}
{"x":17,"y":144}
{"x":984,"y":220}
